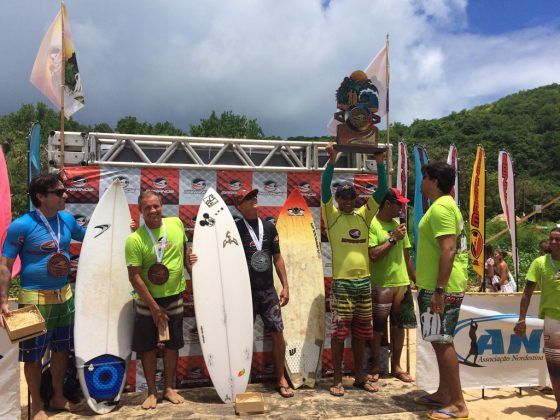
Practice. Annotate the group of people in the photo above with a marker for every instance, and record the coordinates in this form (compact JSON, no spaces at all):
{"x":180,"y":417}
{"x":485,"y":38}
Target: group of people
{"x":371,"y":269}
{"x":497,"y":275}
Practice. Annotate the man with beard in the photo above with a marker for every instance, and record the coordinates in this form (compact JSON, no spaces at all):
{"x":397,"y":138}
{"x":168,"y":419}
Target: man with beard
{"x":262,"y":248}
{"x":347,"y":229}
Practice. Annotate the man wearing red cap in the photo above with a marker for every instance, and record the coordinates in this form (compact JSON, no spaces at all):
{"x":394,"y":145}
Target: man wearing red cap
{"x":262,"y":249}
{"x":348,"y":229}
{"x":391,"y":270}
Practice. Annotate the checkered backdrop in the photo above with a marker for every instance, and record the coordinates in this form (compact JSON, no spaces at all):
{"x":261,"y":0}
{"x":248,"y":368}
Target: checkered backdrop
{"x":182,"y":191}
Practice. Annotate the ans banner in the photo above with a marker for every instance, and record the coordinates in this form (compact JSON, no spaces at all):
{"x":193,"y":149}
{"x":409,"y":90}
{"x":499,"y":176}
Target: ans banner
{"x":506,"y":187}
{"x":489,"y":353}
{"x":476,"y":212}
{"x":453,"y":160}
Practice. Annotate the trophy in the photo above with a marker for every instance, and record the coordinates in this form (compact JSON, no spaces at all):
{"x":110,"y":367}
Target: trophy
{"x":357,"y":99}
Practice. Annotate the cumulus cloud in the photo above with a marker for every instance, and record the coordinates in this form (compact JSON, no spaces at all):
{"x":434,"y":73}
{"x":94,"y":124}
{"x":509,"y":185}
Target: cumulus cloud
{"x":277,"y":61}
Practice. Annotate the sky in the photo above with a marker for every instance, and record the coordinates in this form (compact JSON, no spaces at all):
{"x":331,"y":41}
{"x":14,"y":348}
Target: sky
{"x":282,"y":61}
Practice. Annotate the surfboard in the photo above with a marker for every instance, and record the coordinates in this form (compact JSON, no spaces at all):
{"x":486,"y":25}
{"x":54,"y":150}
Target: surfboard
{"x":222,"y":298}
{"x":6,"y":208}
{"x":104,"y":314}
{"x":304,"y":315}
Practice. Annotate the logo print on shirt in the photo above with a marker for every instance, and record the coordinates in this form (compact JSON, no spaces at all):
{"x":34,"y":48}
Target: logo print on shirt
{"x":354,"y":233}
{"x":49,"y":246}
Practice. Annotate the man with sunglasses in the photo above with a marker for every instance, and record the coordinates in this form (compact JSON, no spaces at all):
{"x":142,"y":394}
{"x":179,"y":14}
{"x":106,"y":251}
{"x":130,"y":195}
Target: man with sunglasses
{"x":41,"y":239}
{"x":262,"y":250}
{"x":391,"y":270}
{"x":347,"y":229}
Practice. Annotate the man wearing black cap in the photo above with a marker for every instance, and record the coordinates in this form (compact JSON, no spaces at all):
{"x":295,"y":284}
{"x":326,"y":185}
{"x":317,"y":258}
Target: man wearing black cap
{"x":262,"y":248}
{"x":348,"y":229}
{"x":390,"y":269}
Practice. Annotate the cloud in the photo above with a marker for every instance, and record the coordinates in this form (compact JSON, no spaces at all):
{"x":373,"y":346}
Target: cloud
{"x":277,"y":61}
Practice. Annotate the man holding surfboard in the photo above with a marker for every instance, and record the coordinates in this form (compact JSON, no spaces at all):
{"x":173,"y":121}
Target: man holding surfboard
{"x":347,"y":229}
{"x":41,"y":238}
{"x":155,"y":256}
{"x":391,"y":270}
{"x":262,"y":249}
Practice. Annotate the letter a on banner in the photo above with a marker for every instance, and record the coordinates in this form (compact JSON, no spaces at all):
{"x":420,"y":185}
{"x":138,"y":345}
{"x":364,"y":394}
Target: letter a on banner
{"x":506,"y":187}
{"x":476,"y":212}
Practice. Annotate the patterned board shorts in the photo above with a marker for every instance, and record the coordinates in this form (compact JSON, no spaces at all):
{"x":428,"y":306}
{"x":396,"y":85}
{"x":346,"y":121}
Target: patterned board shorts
{"x":59,"y":321}
{"x":351,"y":309}
{"x":439,"y":328}
{"x":267,"y":305}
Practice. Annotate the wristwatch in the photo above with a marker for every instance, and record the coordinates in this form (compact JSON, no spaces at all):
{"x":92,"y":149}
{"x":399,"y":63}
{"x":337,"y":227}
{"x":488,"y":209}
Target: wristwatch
{"x":439,"y":290}
{"x":392,"y":240}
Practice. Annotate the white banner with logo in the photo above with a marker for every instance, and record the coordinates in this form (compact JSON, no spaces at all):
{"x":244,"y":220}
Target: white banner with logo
{"x":9,"y":376}
{"x":490,"y":355}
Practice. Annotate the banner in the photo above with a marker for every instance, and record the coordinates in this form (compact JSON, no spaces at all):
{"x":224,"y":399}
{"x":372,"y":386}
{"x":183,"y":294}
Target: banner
{"x":9,"y":379}
{"x":506,"y":187}
{"x":476,"y":212}
{"x":34,"y":154}
{"x":420,"y":203}
{"x":489,"y":353}
{"x":47,"y":70}
{"x":453,"y":161}
{"x":402,"y":174}
{"x":378,"y":72}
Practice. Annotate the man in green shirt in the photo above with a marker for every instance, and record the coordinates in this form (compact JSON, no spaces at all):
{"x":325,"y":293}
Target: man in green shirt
{"x":545,"y":272}
{"x":391,"y":270}
{"x":347,"y":229}
{"x":441,"y":277}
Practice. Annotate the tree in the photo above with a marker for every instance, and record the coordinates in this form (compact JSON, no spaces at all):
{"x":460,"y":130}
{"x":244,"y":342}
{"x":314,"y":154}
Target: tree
{"x":228,"y":125}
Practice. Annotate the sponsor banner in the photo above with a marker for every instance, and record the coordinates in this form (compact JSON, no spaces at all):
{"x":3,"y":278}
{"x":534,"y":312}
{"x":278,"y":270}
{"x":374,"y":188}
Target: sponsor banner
{"x":489,"y":353}
{"x":476,"y":212}
{"x":193,"y":184}
{"x":134,"y":213}
{"x":229,"y":182}
{"x":328,"y":288}
{"x":190,"y":335}
{"x":192,"y":372}
{"x":188,"y":300}
{"x":262,"y":340}
{"x":506,"y":188}
{"x":269,"y":213}
{"x":316,"y":213}
{"x":164,"y":181}
{"x":9,"y":379}
{"x":262,"y":367}
{"x":82,"y":184}
{"x":75,"y":249}
{"x":453,"y":161}
{"x":420,"y":203}
{"x":327,"y":259}
{"x":81,"y":212}
{"x":309,"y":184}
{"x":366,"y":184}
{"x":188,"y":213}
{"x":402,"y":174}
{"x":272,"y":188}
{"x":129,"y":178}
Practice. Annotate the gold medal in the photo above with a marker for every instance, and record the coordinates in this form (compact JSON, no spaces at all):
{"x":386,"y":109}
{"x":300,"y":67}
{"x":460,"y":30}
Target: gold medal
{"x":158,"y":274}
{"x":58,"y":265}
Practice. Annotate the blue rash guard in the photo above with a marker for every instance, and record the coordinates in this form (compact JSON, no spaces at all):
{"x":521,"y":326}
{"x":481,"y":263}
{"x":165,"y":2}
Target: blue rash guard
{"x":29,"y":238}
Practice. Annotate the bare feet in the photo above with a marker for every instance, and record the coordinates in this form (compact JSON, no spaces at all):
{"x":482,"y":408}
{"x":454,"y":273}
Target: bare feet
{"x":39,"y":415}
{"x":402,"y":375}
{"x":173,"y":396}
{"x":60,"y":404}
{"x":373,"y":377}
{"x":337,"y":390}
{"x":150,"y":402}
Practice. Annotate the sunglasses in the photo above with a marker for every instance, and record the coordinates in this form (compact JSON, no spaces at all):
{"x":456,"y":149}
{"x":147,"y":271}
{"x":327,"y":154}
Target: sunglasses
{"x":59,"y":192}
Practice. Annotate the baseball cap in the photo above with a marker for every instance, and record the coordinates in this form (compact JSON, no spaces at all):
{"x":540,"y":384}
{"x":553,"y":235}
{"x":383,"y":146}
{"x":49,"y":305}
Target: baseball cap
{"x":242,"y":194}
{"x":345,"y":189}
{"x":393,"y":195}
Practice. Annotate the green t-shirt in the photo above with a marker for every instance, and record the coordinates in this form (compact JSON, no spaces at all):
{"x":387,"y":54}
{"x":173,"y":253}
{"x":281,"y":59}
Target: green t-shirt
{"x":442,"y":218}
{"x":139,"y":252}
{"x":348,"y":236}
{"x":390,"y":270}
{"x":546,"y":273}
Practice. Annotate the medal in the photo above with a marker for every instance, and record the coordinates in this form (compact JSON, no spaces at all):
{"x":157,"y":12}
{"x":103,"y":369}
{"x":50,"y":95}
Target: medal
{"x":58,"y":265}
{"x":260,"y":261}
{"x":158,"y":274}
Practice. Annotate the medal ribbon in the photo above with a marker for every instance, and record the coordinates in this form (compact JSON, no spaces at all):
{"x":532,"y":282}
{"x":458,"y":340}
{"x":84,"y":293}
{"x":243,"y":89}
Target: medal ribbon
{"x":56,"y":239}
{"x":258,"y":241}
{"x":555,"y":267}
{"x":159,"y":252}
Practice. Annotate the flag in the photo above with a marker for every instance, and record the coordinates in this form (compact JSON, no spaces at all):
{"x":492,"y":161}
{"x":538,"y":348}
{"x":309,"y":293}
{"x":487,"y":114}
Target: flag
{"x":506,"y":188}
{"x":33,"y":156}
{"x":377,"y":71}
{"x":476,"y":212}
{"x":402,"y":174}
{"x":453,"y":161}
{"x":6,"y":211}
{"x":47,"y":70}
{"x":421,"y":204}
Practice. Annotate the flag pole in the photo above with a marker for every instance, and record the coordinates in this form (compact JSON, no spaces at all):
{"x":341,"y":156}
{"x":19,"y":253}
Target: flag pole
{"x":387,"y":104}
{"x":62,"y":78}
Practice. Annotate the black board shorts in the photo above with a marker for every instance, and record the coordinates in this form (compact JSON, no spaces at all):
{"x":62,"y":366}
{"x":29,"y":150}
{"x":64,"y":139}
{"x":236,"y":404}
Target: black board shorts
{"x":267,"y":305}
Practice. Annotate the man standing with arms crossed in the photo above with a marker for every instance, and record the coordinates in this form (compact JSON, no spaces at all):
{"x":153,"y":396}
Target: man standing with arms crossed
{"x":347,"y":230}
{"x":41,"y":238}
{"x":156,"y":255}
{"x":391,"y":270}
{"x":441,"y":277}
{"x":262,"y":248}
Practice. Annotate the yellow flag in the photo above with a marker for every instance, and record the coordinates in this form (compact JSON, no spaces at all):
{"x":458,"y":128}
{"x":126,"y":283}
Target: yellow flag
{"x":476,"y":212}
{"x":47,"y":70}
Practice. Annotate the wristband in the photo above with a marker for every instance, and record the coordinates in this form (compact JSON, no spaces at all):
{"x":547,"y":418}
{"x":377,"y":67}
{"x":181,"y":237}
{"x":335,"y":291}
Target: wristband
{"x":392,"y":241}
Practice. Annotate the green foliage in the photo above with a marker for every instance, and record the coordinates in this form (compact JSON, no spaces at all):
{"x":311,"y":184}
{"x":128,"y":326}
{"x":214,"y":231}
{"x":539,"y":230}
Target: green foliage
{"x":228,"y":125}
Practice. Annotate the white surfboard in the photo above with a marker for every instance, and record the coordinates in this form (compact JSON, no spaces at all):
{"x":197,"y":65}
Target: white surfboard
{"x":104,"y":314}
{"x":222,"y":298}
